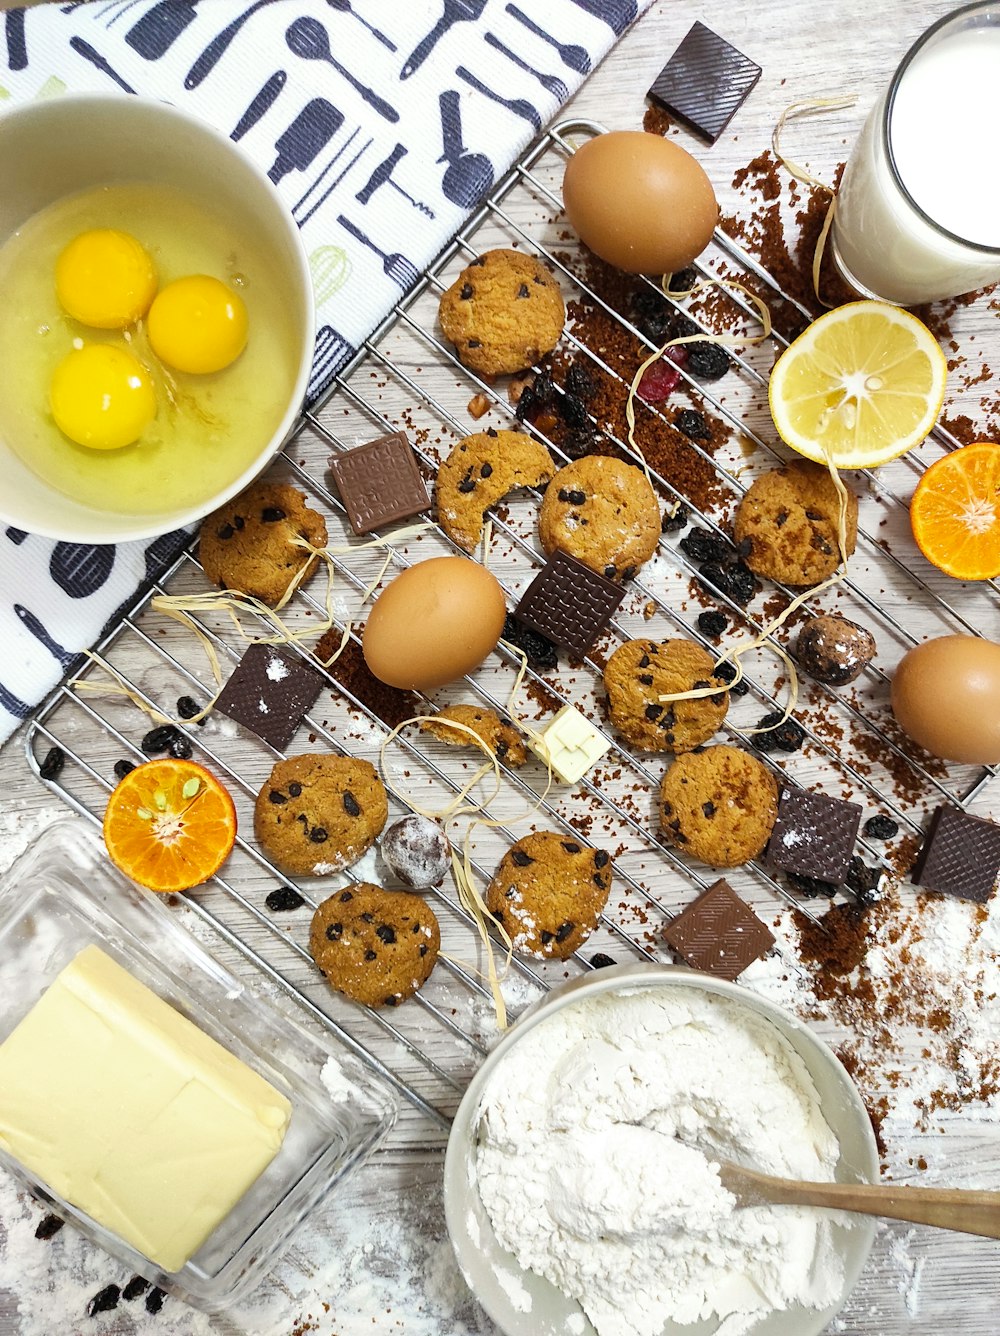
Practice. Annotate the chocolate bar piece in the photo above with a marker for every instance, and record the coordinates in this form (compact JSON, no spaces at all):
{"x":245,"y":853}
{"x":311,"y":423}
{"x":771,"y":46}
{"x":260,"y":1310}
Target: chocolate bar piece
{"x":814,"y":835}
{"x":705,"y":82}
{"x":960,"y":856}
{"x":569,"y":603}
{"x":268,"y":692}
{"x":719,"y":933}
{"x":380,"y":483}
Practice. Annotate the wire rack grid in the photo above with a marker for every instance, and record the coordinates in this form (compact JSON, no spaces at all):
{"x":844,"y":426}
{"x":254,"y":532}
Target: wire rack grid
{"x":428,"y":1048}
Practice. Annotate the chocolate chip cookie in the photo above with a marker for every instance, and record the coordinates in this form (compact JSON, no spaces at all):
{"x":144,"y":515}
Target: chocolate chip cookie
{"x":479,"y":472}
{"x":786,"y":525}
{"x":375,"y":946}
{"x":548,"y":892}
{"x":640,"y":672}
{"x":718,"y":805}
{"x":502,"y":313}
{"x":603,"y":512}
{"x":316,"y":814}
{"x":499,"y":737}
{"x":255,"y":543}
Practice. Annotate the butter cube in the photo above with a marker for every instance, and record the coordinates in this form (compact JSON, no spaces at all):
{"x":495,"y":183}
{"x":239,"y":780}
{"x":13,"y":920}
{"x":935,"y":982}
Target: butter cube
{"x":123,"y":1107}
{"x":571,"y":744}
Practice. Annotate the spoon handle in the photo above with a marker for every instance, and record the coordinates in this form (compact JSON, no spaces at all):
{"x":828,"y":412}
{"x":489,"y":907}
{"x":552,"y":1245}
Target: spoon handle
{"x":946,"y":1208}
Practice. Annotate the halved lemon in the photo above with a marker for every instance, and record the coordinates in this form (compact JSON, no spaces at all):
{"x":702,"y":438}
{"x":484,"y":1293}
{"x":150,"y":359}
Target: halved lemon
{"x":862,"y":385}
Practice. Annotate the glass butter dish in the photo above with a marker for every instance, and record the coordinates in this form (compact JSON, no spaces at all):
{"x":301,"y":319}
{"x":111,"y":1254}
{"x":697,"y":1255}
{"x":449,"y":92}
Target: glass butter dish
{"x":63,"y":895}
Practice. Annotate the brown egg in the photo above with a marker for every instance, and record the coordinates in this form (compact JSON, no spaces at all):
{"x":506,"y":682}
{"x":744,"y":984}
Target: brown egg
{"x":946,"y":696}
{"x":640,"y":202}
{"x":434,"y":622}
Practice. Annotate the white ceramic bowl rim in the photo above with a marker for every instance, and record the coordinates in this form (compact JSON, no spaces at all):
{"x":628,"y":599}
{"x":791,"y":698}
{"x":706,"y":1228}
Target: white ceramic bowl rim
{"x":72,"y":521}
{"x":524,"y":1304}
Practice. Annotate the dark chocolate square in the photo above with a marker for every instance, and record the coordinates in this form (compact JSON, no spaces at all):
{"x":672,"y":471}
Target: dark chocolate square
{"x":719,"y":933}
{"x":569,"y":603}
{"x":705,"y":82}
{"x":814,"y":835}
{"x":380,"y":483}
{"x":269,"y":691}
{"x":960,"y":856}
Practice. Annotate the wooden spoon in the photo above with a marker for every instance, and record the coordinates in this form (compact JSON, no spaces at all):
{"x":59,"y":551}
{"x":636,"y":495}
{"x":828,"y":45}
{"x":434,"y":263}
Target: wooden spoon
{"x":946,"y":1208}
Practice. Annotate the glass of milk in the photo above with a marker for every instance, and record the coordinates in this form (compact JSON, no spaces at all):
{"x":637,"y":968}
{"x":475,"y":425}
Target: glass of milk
{"x":918,"y":211}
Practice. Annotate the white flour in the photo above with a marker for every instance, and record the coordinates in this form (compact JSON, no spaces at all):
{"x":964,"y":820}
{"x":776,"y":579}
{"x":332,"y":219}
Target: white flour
{"x":582,"y":1169}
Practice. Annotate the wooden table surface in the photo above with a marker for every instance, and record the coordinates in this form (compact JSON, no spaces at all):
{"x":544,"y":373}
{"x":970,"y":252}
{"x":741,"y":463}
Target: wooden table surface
{"x":807,"y":49}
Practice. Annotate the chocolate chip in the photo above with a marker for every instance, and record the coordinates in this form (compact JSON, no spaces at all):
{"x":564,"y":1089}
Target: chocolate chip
{"x":295,"y":788}
{"x":708,"y":808}
{"x":564,"y":930}
{"x":466,"y":292}
{"x":351,"y":805}
{"x":570,"y":847}
{"x":239,"y":522}
{"x":392,"y":1000}
{"x":276,"y":797}
{"x":599,"y":880}
{"x":653,"y":712}
{"x":334,"y":931}
{"x":781,"y":519}
{"x":474,"y":343}
{"x":423,"y":949}
{"x":601,"y":858}
{"x":522,"y":290}
{"x":486,"y":471}
{"x":572,"y":496}
{"x":385,"y":933}
{"x":371,"y":955}
{"x":467,"y":485}
{"x":272,"y":514}
{"x":283,"y":899}
{"x":645,"y":661}
{"x":646,"y":679}
{"x":519,"y":858}
{"x":346,"y":895}
{"x":546,"y":936}
{"x":609,"y":572}
{"x":318,"y":835}
{"x":51,"y":766}
{"x":225,"y":532}
{"x":366,"y":917}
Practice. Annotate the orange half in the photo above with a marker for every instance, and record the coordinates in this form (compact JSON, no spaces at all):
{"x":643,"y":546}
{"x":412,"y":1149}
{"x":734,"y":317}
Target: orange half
{"x":955,"y":512}
{"x":169,"y":825}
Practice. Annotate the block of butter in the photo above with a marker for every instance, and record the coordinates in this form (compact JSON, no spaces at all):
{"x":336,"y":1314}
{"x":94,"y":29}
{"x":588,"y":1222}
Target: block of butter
{"x":129,"y":1111}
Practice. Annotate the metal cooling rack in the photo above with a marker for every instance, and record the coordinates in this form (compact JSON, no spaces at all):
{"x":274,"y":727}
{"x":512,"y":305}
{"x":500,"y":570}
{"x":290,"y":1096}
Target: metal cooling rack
{"x":405,"y":376}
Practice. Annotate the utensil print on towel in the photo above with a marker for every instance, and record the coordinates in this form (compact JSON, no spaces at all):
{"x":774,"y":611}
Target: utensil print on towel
{"x":455,"y":11}
{"x":304,"y":208}
{"x":155,"y":33}
{"x":572,"y":56}
{"x":32,"y":624}
{"x":84,"y":49}
{"x":549,"y":82}
{"x":617,"y":14}
{"x":262,"y":102}
{"x":382,"y":176}
{"x":17,"y":51}
{"x":332,"y":354}
{"x":344,"y":7}
{"x":307,"y":38}
{"x":518,"y":105}
{"x":218,"y":46}
{"x":396,"y":266}
{"x":308,"y":135}
{"x":469,"y":175}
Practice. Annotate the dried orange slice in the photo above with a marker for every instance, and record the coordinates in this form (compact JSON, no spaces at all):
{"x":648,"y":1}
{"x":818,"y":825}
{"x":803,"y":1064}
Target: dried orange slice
{"x":169,"y":825}
{"x":955,"y":512}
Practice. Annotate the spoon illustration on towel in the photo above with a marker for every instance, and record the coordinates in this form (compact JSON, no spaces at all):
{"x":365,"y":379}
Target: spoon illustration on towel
{"x":307,"y":38}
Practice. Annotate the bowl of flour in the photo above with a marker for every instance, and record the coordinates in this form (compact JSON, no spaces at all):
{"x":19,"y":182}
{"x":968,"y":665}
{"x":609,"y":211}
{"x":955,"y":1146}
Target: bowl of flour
{"x":580,"y":1189}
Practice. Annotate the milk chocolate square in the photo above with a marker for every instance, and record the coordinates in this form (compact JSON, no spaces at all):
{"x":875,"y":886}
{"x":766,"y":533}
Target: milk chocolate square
{"x":960,"y":856}
{"x":814,"y":835}
{"x":269,"y":691}
{"x":569,"y":603}
{"x":380,"y":482}
{"x":719,"y":933}
{"x":705,"y":82}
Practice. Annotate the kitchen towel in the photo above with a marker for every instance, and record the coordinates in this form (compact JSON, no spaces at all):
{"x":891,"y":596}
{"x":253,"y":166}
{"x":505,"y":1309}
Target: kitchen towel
{"x":381,"y":124}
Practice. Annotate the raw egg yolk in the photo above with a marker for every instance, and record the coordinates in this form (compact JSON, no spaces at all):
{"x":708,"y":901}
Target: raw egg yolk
{"x":198,"y":324}
{"x":102,"y":397}
{"x":105,"y":279}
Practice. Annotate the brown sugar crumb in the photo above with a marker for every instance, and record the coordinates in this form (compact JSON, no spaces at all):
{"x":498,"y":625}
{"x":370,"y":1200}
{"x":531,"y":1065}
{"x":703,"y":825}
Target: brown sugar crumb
{"x":655,"y":121}
{"x":389,"y":704}
{"x":837,"y":943}
{"x":478,"y":405}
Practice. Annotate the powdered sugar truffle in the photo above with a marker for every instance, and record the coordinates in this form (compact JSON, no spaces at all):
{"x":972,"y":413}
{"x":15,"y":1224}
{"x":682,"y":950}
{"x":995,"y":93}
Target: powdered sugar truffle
{"x":417,"y":851}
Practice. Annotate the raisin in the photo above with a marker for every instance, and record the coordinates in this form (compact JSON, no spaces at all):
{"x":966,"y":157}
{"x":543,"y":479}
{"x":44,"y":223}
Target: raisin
{"x":881,"y":827}
{"x":351,"y":805}
{"x":318,"y":835}
{"x":580,"y":441}
{"x":104,"y":1301}
{"x":181,"y":748}
{"x":123,"y":768}
{"x":579,"y":381}
{"x":787,"y":737}
{"x":708,"y":361}
{"x":682,"y":327}
{"x":51,"y":766}
{"x":540,"y":652}
{"x":187,"y":707}
{"x":573,"y":411}
{"x":701,"y":545}
{"x":736,"y":581}
{"x":385,"y":934}
{"x":676,"y":520}
{"x":811,"y":887}
{"x":272,"y":514}
{"x":653,"y":317}
{"x":136,"y":1286}
{"x":282,"y":899}
{"x":154,"y":1300}
{"x":713,"y":624}
{"x":159,"y":739}
{"x":683,"y":281}
{"x":863,"y":881}
{"x":600,"y":961}
{"x":692,"y":424}
{"x":48,"y":1227}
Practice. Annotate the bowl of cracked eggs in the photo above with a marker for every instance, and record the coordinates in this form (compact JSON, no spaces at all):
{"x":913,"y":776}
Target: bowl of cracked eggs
{"x":156,"y":321}
{"x":581,"y":1187}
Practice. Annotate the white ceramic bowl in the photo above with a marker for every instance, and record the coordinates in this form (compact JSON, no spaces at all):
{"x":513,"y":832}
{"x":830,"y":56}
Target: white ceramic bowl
{"x":64,"y":145}
{"x":494,"y":1275}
